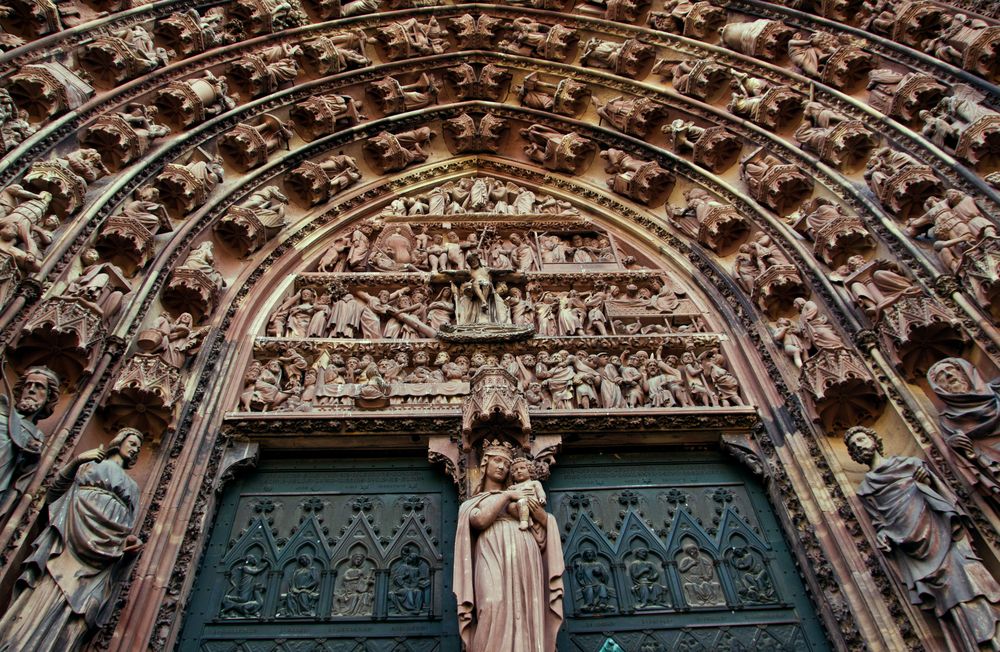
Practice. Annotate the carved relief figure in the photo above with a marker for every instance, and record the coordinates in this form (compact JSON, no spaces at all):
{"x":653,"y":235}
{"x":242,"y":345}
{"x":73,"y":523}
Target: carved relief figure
{"x":531,"y":38}
{"x":701,"y":20}
{"x":411,"y":38}
{"x":409,"y":580}
{"x":394,"y":152}
{"x":921,"y":528}
{"x":641,"y":180}
{"x":903,"y":95}
{"x":627,"y":58}
{"x":648,"y":589}
{"x":833,"y":137}
{"x":555,"y":150}
{"x":494,"y":556}
{"x":970,"y":418}
{"x":245,"y":597}
{"x":67,"y":581}
{"x":35,"y":395}
{"x":963,"y":124}
{"x":593,"y":581}
{"x":565,"y":97}
{"x":355,"y":592}
{"x":302,"y":594}
{"x":770,"y":106}
{"x":698,"y":577}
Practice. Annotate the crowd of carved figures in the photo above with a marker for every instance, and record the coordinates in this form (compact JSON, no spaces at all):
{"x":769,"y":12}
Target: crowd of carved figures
{"x":561,"y":379}
{"x":417,"y":268}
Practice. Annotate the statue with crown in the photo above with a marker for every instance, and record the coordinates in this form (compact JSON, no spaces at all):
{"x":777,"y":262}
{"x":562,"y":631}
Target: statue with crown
{"x":508,"y":558}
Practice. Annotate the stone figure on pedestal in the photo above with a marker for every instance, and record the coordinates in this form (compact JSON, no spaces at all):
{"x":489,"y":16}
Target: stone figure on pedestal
{"x":67,"y":582}
{"x":921,"y":528}
{"x":508,"y":581}
{"x":34,"y":398}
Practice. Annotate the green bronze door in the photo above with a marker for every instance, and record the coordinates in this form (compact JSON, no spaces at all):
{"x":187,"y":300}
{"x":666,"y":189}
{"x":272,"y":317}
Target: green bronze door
{"x":345,"y":555}
{"x":674,"y":553}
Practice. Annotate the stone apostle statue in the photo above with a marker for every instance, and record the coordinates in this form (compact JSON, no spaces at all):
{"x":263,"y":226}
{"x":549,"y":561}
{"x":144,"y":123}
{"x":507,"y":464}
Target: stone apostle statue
{"x":921,"y":528}
{"x":67,"y":582}
{"x":970,"y":418}
{"x":34,"y":397}
{"x":508,"y":581}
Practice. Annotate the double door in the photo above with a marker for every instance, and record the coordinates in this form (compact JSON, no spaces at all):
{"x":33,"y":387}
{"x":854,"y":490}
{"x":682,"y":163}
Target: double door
{"x":671,"y":552}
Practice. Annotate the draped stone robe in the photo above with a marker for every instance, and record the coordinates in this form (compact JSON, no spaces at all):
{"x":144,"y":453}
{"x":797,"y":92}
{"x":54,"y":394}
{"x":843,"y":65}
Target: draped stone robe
{"x":931,"y":551}
{"x":67,"y":581}
{"x":509,"y":589}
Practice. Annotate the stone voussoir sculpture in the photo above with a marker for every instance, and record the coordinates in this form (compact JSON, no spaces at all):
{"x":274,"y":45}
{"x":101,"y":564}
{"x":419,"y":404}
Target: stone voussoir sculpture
{"x":915,"y":330}
{"x":314,"y":183}
{"x":66,"y":178}
{"x":698,"y":78}
{"x":628,"y":58}
{"x":772,"y":106}
{"x":183,"y":188}
{"x":718,"y":226}
{"x":335,"y":53}
{"x":195,"y":284}
{"x":489,"y":82}
{"x":778,"y":185}
{"x":633,"y":116}
{"x":835,"y":233}
{"x":903,"y":95}
{"x":962,"y":124}
{"x":565,"y":97}
{"x":834,"y":59}
{"x":965,"y":241}
{"x":321,"y":115}
{"x":714,"y":148}
{"x":266,"y":70}
{"x":411,"y":38}
{"x":761,"y":39}
{"x":188,"y":102}
{"x":248,"y":146}
{"x":531,"y":38}
{"x":468,"y":136}
{"x":835,"y":138}
{"x":901,"y":183}
{"x":392,"y":152}
{"x":66,"y":330}
{"x":701,"y":20}
{"x":635,"y":178}
{"x":392,"y":96}
{"x":249,"y":225}
{"x":46,"y":90}
{"x":130,"y":53}
{"x":123,"y":137}
{"x":557,"y":151}
{"x":840,"y":390}
{"x":127,"y":238}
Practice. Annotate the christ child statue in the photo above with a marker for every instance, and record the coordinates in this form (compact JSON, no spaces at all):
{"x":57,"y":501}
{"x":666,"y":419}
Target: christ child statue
{"x":520,"y":473}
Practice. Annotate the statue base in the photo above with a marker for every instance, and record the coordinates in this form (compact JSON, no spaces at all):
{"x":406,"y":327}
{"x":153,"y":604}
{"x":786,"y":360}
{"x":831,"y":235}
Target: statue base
{"x":485,"y":333}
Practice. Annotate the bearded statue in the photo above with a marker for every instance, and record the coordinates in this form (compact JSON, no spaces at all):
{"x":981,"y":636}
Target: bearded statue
{"x":34,"y":397}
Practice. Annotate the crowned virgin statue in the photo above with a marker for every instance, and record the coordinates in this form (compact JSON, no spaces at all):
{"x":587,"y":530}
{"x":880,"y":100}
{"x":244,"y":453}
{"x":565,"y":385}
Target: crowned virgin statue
{"x":508,"y":580}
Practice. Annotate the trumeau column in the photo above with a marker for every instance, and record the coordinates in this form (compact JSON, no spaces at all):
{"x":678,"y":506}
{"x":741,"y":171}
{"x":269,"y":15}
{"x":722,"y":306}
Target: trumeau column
{"x":321,"y":226}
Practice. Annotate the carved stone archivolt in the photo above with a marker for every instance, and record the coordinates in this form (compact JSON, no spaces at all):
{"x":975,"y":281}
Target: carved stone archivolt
{"x":491,"y":291}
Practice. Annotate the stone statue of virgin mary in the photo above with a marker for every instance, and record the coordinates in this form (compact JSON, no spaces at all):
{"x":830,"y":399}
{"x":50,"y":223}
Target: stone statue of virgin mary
{"x":508,"y":581}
